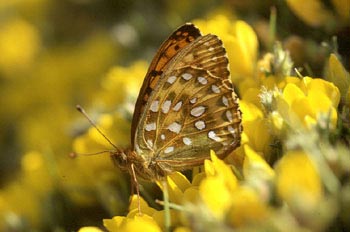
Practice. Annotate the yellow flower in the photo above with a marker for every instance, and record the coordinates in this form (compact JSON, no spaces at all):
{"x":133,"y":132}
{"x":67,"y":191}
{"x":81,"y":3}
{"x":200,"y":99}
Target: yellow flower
{"x":95,"y":172}
{"x":247,"y":208}
{"x":258,"y":174}
{"x":343,"y":9}
{"x":255,"y":128}
{"x":298,"y":181}
{"x":117,"y":93}
{"x":316,"y":14}
{"x":277,"y":122}
{"x":215,"y":190}
{"x":32,"y":161}
{"x":19,"y":200}
{"x":158,"y":216}
{"x":114,"y":126}
{"x":229,"y":200}
{"x":177,"y":184}
{"x":19,"y":44}
{"x":38,"y":172}
{"x":121,"y":86}
{"x":308,"y":101}
{"x":138,"y":223}
{"x":255,"y":166}
{"x":313,"y":12}
{"x":133,"y":207}
{"x":337,"y":74}
{"x":90,"y":229}
{"x":134,"y":221}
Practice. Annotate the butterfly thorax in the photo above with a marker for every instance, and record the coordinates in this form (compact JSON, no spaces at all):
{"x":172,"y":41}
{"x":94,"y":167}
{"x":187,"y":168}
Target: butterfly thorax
{"x":144,"y":169}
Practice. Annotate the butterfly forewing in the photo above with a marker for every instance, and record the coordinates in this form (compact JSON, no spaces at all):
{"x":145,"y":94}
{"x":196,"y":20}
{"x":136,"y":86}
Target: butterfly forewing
{"x":180,"y":38}
{"x":191,"y":110}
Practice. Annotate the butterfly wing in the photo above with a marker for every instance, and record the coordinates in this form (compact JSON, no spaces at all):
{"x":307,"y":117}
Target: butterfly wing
{"x":191,"y":110}
{"x":180,"y":38}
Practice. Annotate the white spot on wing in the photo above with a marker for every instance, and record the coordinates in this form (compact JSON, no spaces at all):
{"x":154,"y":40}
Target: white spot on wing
{"x":168,"y":149}
{"x":225,"y":100}
{"x":229,"y":116}
{"x":171,"y":79}
{"x":193,"y":100}
{"x":210,"y":49}
{"x":231,"y":130}
{"x":215,"y":89}
{"x":174,"y":127}
{"x":150,"y":126}
{"x":202,"y":80}
{"x":177,"y":107}
{"x":212,"y":135}
{"x":200,"y":125}
{"x":150,"y":142}
{"x":137,"y":149}
{"x":187,"y":141}
{"x":197,"y":111}
{"x":186,"y":76}
{"x":166,"y":106}
{"x":154,"y":106}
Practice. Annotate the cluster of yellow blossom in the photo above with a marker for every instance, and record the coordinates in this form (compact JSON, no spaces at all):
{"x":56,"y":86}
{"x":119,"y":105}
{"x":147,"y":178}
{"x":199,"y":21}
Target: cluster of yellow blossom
{"x":38,"y":83}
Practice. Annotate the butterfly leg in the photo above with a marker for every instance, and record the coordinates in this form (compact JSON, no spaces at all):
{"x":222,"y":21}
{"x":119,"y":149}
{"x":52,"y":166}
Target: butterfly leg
{"x":136,"y":187}
{"x":132,"y":188}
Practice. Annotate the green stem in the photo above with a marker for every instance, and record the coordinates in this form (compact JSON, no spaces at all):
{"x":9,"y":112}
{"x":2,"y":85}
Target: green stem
{"x":166,"y":206}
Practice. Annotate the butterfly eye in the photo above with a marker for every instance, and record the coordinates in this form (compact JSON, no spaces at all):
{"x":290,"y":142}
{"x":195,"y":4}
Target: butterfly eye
{"x":120,"y":159}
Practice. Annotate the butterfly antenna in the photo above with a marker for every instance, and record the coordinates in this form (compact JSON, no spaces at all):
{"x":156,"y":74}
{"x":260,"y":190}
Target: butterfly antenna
{"x":74,"y":154}
{"x":81,"y":110}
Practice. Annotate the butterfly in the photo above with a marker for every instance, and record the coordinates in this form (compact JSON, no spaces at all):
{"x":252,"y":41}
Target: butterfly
{"x":186,"y":107}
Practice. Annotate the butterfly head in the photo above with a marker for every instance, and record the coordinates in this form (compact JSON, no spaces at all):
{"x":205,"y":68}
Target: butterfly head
{"x":120,"y":158}
{"x":135,"y":164}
